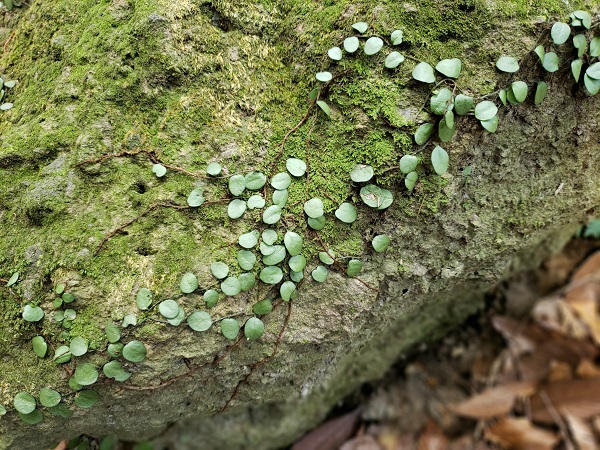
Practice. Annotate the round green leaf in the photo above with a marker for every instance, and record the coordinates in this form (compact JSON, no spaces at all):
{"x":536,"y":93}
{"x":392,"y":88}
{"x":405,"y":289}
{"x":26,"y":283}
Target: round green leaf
{"x":6,"y":106}
{"x":275,"y":257}
{"x":85,"y":374}
{"x":74,"y":384}
{"x":199,"y":321}
{"x":263,"y":307}
{"x":168,"y":308}
{"x":113,"y":334}
{"x":281,"y":181}
{"x":439,"y":102}
{"x":325,"y":107}
{"x":316,"y":223}
{"x":13,"y":279}
{"x":237,"y":184}
{"x":219,"y":269}
{"x":351,"y":44}
{"x":236,"y":208}
{"x":159,"y":170}
{"x":68,"y":297}
{"x":396,"y":37}
{"x":61,"y":410}
{"x":327,"y":258}
{"x":591,"y":84}
{"x":248,"y":240}
{"x":580,"y":43}
{"x":324,"y":76}
{"x":354,"y":267}
{"x":62,"y":355}
{"x":11,"y":83}
{"x":188,"y":283}
{"x":540,"y":92}
{"x":540,"y":51}
{"x":271,"y":275}
{"x":507,"y":64}
{"x":115,"y":350}
{"x":266,"y":249}
{"x":280,"y":197}
{"x":423,"y":133}
{"x":32,"y":418}
{"x":320,"y":274}
{"x":135,"y":351}
{"x":519,"y":89}
{"x":361,"y":27}
{"x":49,"y":397}
{"x":196,"y":197}
{"x":346,"y":213}
{"x":33,"y":313}
{"x":272,"y":214}
{"x":373,"y":45}
{"x":231,"y":286}
{"x":213,"y":169}
{"x":255,"y":181}
{"x":463,"y":104}
{"x":393,"y":60}
{"x":86,"y":398}
{"x":485,"y":110}
{"x":314,"y":208}
{"x":246,"y":259}
{"x":593,"y":71}
{"x":254,"y":328}
{"x":57,"y":303}
{"x":595,"y":46}
{"x":550,"y":62}
{"x":211,"y":297}
{"x":24,"y":402}
{"x":143,"y":299}
{"x":296,"y":277}
{"x":439,"y":160}
{"x":411,"y":180}
{"x":2,"y":410}
{"x":269,"y":237}
{"x":576,"y":69}
{"x":449,"y":119}
{"x":295,"y":166}
{"x":376,"y":197}
{"x":256,"y":202}
{"x":449,"y":67}
{"x":79,"y":346}
{"x":129,"y":319}
{"x":408,"y":163}
{"x":381,"y":242}
{"x":490,"y":125}
{"x":297,"y":263}
{"x":288,"y":291}
{"x":445,"y":132}
{"x":423,"y":72}
{"x":585,"y":17}
{"x":361,"y":173}
{"x":175,"y":321}
{"x":335,"y":53}
{"x":293,"y":243}
{"x":114,"y":369}
{"x":39,"y":346}
{"x":247,"y":281}
{"x":70,"y":314}
{"x":230,"y":328}
{"x":560,"y":32}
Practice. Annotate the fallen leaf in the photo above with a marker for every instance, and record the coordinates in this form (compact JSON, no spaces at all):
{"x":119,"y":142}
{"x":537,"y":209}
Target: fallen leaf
{"x":365,"y":442}
{"x":587,"y":369}
{"x":582,"y":433}
{"x":585,"y":300}
{"x":589,"y":268}
{"x":432,"y":438}
{"x":579,"y":398}
{"x":560,"y":371}
{"x":519,"y":434}
{"x":557,"y":315}
{"x":330,"y":435}
{"x":494,"y":401}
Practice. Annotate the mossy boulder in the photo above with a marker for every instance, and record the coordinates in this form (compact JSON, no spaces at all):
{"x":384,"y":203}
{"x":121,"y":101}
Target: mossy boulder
{"x":108,"y":89}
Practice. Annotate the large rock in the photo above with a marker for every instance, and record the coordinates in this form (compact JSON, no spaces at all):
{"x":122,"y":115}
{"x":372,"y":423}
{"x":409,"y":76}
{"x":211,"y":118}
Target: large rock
{"x":186,"y":83}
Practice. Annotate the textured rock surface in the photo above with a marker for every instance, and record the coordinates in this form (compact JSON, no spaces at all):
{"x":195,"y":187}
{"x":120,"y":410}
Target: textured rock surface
{"x":220,"y":81}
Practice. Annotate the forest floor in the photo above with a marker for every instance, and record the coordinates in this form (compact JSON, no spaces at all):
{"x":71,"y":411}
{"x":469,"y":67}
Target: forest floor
{"x":523,"y":374}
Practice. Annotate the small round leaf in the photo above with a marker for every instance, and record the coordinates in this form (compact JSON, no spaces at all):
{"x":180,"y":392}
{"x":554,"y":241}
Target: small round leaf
{"x":49,"y":397}
{"x":168,"y":309}
{"x":247,"y":281}
{"x":346,"y":213}
{"x":24,"y":402}
{"x":272,"y":214}
{"x":230,"y":328}
{"x":129,"y":319}
{"x":296,"y":167}
{"x":293,"y":243}
{"x":550,"y":62}
{"x":485,"y":110}
{"x":237,"y":184}
{"x":423,"y":72}
{"x":275,"y":257}
{"x":236,"y":208}
{"x":255,"y":181}
{"x":320,"y":274}
{"x":316,"y":223}
{"x":143,"y":299}
{"x":254,"y":328}
{"x":560,"y":32}
{"x":396,"y":37}
{"x":507,"y":64}
{"x":263,"y":307}
{"x":361,"y":173}
{"x":354,"y":267}
{"x":246,"y":259}
{"x":593,"y":71}
{"x":280,"y":197}
{"x":13,"y":279}
{"x":324,"y":76}
{"x":440,"y":160}
{"x":335,"y":53}
{"x":449,"y":67}
{"x":408,"y":163}
{"x":463,"y":104}
{"x":351,"y":44}
{"x":86,"y":398}
{"x":393,"y":60}
{"x":519,"y":89}
{"x":213,"y":169}
{"x":135,"y":351}
{"x":231,"y":286}
{"x":256,"y":202}
{"x":361,"y":27}
{"x":381,"y":242}
{"x":34,"y":417}
{"x":188,"y":283}
{"x":196,"y":197}
{"x":288,"y":291}
{"x":490,"y":125}
{"x":314,"y":208}
{"x":85,"y":374}
{"x":113,"y":334}
{"x":576,"y":66}
{"x":297,"y":263}
{"x":423,"y":133}
{"x":199,"y":321}
{"x":540,"y":92}
{"x":62,"y":355}
{"x":411,"y":180}
{"x":281,"y":181}
{"x":248,"y":240}
{"x":39,"y":346}
{"x":79,"y":346}
{"x":373,"y":45}
{"x":211,"y":297}
{"x":159,"y":170}
{"x":271,"y":275}
{"x":327,"y":258}
{"x":269,"y":236}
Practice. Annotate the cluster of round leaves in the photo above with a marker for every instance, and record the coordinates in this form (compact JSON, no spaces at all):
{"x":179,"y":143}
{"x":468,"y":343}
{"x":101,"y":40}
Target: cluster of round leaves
{"x":4,"y":106}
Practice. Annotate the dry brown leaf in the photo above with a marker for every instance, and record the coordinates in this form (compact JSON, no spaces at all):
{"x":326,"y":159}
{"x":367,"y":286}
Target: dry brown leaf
{"x":589,"y":268}
{"x":62,"y":445}
{"x":330,"y":435}
{"x":587,"y":369}
{"x":560,"y":371}
{"x":581,"y":432}
{"x":585,"y":300}
{"x":519,"y":434}
{"x":556,"y":314}
{"x":365,"y":442}
{"x":494,"y":401}
{"x":432,"y":438}
{"x":580,"y":398}
{"x":596,"y":424}
{"x":522,"y":338}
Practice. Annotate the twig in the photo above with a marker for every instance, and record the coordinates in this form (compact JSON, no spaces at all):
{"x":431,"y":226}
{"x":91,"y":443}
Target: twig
{"x":290,"y":132}
{"x":307,"y":153}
